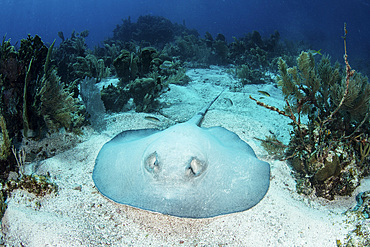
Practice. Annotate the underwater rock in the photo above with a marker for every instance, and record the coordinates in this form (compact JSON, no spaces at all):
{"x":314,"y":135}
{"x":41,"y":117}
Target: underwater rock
{"x":330,"y":167}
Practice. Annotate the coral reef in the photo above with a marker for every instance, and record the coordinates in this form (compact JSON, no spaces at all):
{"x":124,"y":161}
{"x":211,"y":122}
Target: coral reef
{"x":189,"y":48}
{"x":143,"y":74}
{"x":255,"y":51}
{"x":126,"y":65}
{"x":155,"y":30}
{"x":41,"y":111}
{"x":90,"y":66}
{"x":14,"y":66}
{"x":65,"y":56}
{"x":329,"y":153}
{"x":114,"y":98}
{"x":32,"y":98}
{"x":7,"y":161}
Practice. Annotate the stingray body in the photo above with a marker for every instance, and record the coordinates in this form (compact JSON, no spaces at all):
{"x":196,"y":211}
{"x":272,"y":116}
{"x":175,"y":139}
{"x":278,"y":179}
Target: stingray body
{"x":185,"y":170}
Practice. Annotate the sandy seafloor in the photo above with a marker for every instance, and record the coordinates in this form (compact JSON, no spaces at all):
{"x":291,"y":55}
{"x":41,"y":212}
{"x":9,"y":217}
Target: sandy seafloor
{"x":79,"y":216}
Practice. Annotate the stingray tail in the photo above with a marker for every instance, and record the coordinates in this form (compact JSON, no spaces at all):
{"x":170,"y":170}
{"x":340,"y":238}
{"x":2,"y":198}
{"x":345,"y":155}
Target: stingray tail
{"x":197,"y":119}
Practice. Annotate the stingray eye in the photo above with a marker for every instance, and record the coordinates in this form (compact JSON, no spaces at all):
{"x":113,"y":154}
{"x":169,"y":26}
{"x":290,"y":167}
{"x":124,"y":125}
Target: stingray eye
{"x":195,"y":168}
{"x":151,"y":163}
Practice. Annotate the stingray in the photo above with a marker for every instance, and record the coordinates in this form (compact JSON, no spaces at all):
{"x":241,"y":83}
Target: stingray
{"x":184,"y":171}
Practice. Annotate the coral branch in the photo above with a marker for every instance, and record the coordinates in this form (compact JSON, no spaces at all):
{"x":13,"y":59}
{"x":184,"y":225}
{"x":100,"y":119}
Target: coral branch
{"x":349,"y":74}
{"x":364,"y":152}
{"x":272,"y":108}
{"x":269,"y":107}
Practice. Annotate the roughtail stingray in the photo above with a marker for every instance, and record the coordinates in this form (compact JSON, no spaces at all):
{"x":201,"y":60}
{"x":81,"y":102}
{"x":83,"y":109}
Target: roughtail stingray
{"x":185,"y":170}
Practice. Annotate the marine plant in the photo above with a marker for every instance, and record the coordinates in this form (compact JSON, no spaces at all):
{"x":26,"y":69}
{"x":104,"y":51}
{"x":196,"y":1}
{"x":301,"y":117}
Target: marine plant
{"x":94,"y":105}
{"x":52,"y":102}
{"x":144,"y":92}
{"x":329,"y":152}
{"x":180,"y":78}
{"x":5,"y":147}
{"x":56,"y":106}
{"x":114,"y":98}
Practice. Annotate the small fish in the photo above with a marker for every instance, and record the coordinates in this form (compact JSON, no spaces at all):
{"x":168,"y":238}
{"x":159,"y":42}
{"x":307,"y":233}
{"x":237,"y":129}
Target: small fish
{"x":166,"y":65}
{"x":315,"y":52}
{"x":151,"y":118}
{"x":264,"y":93}
{"x":227,"y":101}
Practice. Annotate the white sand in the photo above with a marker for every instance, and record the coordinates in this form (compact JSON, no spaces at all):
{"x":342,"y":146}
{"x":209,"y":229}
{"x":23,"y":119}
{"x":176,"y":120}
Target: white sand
{"x":80,"y":216}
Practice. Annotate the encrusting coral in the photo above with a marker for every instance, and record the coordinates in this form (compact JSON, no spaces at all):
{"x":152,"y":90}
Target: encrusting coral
{"x":329,"y":152}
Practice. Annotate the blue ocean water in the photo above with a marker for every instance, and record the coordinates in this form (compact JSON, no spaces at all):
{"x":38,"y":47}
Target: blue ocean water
{"x":317,"y":22}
